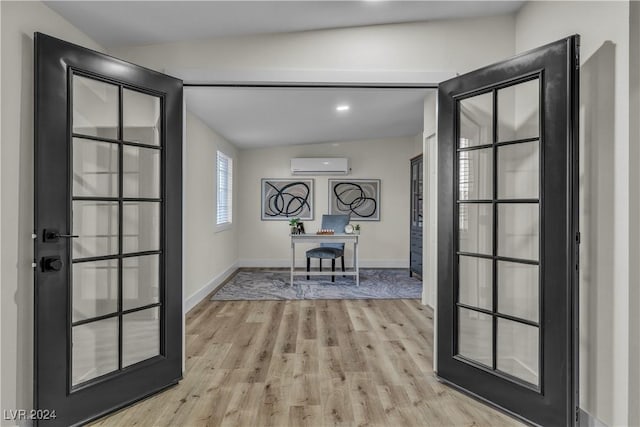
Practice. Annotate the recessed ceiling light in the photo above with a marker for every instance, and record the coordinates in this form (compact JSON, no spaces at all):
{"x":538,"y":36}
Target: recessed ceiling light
{"x":343,"y":107}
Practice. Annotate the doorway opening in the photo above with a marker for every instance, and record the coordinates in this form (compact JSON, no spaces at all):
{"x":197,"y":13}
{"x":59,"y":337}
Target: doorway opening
{"x":375,"y":131}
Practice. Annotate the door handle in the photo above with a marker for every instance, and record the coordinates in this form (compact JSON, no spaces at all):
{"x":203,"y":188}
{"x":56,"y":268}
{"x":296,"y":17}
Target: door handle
{"x":53,"y":235}
{"x":51,"y":263}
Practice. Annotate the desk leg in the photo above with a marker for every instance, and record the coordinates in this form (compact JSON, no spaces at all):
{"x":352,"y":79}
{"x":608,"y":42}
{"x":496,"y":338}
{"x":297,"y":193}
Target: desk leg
{"x":293,"y":260}
{"x":356,"y":262}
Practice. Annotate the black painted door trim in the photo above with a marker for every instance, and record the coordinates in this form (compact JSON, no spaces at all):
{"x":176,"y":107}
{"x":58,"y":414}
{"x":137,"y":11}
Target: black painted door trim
{"x":554,"y":401}
{"x":55,"y":61}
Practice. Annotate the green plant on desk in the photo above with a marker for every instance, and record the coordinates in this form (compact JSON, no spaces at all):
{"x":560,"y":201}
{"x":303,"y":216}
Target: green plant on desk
{"x":356,"y":228}
{"x":293,"y":223}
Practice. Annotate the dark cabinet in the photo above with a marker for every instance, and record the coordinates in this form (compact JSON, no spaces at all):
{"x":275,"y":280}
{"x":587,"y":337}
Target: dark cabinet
{"x":415,"y":249}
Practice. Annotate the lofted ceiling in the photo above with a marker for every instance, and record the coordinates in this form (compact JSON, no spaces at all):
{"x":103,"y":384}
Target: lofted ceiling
{"x":266,"y":117}
{"x":121,"y":23}
{"x":261,"y":117}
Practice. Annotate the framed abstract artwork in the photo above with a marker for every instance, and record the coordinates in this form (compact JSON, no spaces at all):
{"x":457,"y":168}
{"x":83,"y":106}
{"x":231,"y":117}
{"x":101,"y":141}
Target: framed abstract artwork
{"x":283,"y":199}
{"x":358,"y":197}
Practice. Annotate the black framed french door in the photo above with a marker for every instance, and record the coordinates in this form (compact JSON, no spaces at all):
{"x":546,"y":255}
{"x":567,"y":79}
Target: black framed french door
{"x":508,"y":233}
{"x":108,"y":232}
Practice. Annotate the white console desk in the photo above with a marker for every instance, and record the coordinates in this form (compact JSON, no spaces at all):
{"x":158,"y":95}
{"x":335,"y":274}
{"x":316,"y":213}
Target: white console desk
{"x":325,"y":238}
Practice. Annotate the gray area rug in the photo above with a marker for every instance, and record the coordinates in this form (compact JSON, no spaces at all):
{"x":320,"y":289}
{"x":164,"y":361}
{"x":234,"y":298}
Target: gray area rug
{"x":274,"y":285}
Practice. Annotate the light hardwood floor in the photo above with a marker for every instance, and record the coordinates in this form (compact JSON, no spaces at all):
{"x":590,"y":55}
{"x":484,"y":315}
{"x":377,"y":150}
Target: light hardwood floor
{"x":309,"y":363}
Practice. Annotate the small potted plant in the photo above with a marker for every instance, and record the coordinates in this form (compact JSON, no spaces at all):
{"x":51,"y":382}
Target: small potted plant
{"x":293,"y":223}
{"x":356,"y":229}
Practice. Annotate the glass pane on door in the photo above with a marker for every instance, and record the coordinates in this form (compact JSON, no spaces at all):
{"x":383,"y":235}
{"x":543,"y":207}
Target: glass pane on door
{"x":95,"y":108}
{"x":518,"y":230}
{"x":96,"y":225}
{"x":141,"y":172}
{"x":140,"y":281}
{"x":476,"y":228}
{"x":518,"y":350}
{"x":475,"y":170}
{"x":476,"y":282}
{"x":95,"y":350}
{"x":518,"y":293}
{"x":141,"y":336}
{"x":519,"y":170}
{"x":95,"y":289}
{"x":95,"y":168}
{"x":475,"y":332}
{"x":141,"y":115}
{"x":476,"y":121}
{"x":141,"y":226}
{"x":519,"y":111}
{"x":116,"y":214}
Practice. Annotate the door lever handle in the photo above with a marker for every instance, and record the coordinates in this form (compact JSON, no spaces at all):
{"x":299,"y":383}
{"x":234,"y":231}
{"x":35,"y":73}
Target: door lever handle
{"x":53,"y":235}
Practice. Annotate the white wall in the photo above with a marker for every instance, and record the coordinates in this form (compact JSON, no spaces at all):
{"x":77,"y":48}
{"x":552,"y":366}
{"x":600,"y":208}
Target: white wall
{"x":430,"y":208}
{"x":430,"y":123}
{"x":604,"y":191}
{"x":19,"y":21}
{"x":634,"y":213}
{"x":438,"y":46}
{"x":382,"y":243}
{"x":1,"y":227}
{"x":418,"y":145}
{"x":210,"y":253}
{"x":430,"y":224}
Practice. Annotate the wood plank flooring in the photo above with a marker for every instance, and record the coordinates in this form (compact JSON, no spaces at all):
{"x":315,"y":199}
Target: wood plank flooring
{"x":309,"y":363}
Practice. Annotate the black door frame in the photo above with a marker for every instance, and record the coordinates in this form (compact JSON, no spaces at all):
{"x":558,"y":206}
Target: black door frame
{"x":557,"y":397}
{"x":55,"y":63}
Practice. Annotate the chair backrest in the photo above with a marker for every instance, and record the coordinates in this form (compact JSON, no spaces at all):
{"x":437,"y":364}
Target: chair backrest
{"x":336,"y":223}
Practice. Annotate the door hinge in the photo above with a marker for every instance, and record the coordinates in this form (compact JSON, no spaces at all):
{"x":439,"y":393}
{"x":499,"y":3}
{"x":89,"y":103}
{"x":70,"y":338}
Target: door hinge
{"x":577,"y":249}
{"x":34,"y":265}
{"x":577,"y":61}
{"x":34,"y":236}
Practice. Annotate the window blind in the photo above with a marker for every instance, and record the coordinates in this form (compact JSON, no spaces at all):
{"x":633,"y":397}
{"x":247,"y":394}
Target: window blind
{"x":224,"y":212}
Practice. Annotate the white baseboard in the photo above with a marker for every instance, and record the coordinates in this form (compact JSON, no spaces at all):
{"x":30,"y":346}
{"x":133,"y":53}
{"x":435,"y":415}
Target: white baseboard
{"x":301,"y":263}
{"x":213,"y":284}
{"x":588,"y":420}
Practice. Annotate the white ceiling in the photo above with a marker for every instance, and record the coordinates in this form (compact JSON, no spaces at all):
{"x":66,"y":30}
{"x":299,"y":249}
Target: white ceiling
{"x":265,"y":117}
{"x":118,"y":23}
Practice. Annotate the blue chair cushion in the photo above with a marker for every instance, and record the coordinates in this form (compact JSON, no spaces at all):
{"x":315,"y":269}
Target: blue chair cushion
{"x":325,"y":253}
{"x":330,"y":250}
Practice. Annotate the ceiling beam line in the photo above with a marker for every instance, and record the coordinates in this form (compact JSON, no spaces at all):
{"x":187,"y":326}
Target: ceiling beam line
{"x":312,"y":86}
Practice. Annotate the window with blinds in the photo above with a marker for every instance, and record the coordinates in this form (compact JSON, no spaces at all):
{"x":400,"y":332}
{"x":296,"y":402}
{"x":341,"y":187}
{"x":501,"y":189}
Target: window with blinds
{"x":224,"y":212}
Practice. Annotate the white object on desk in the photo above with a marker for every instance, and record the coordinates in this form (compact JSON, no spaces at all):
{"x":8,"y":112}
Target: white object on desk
{"x":325,"y":238}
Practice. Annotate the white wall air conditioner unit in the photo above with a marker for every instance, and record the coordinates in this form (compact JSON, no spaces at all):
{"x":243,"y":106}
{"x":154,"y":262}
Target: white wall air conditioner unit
{"x":320,"y":165}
